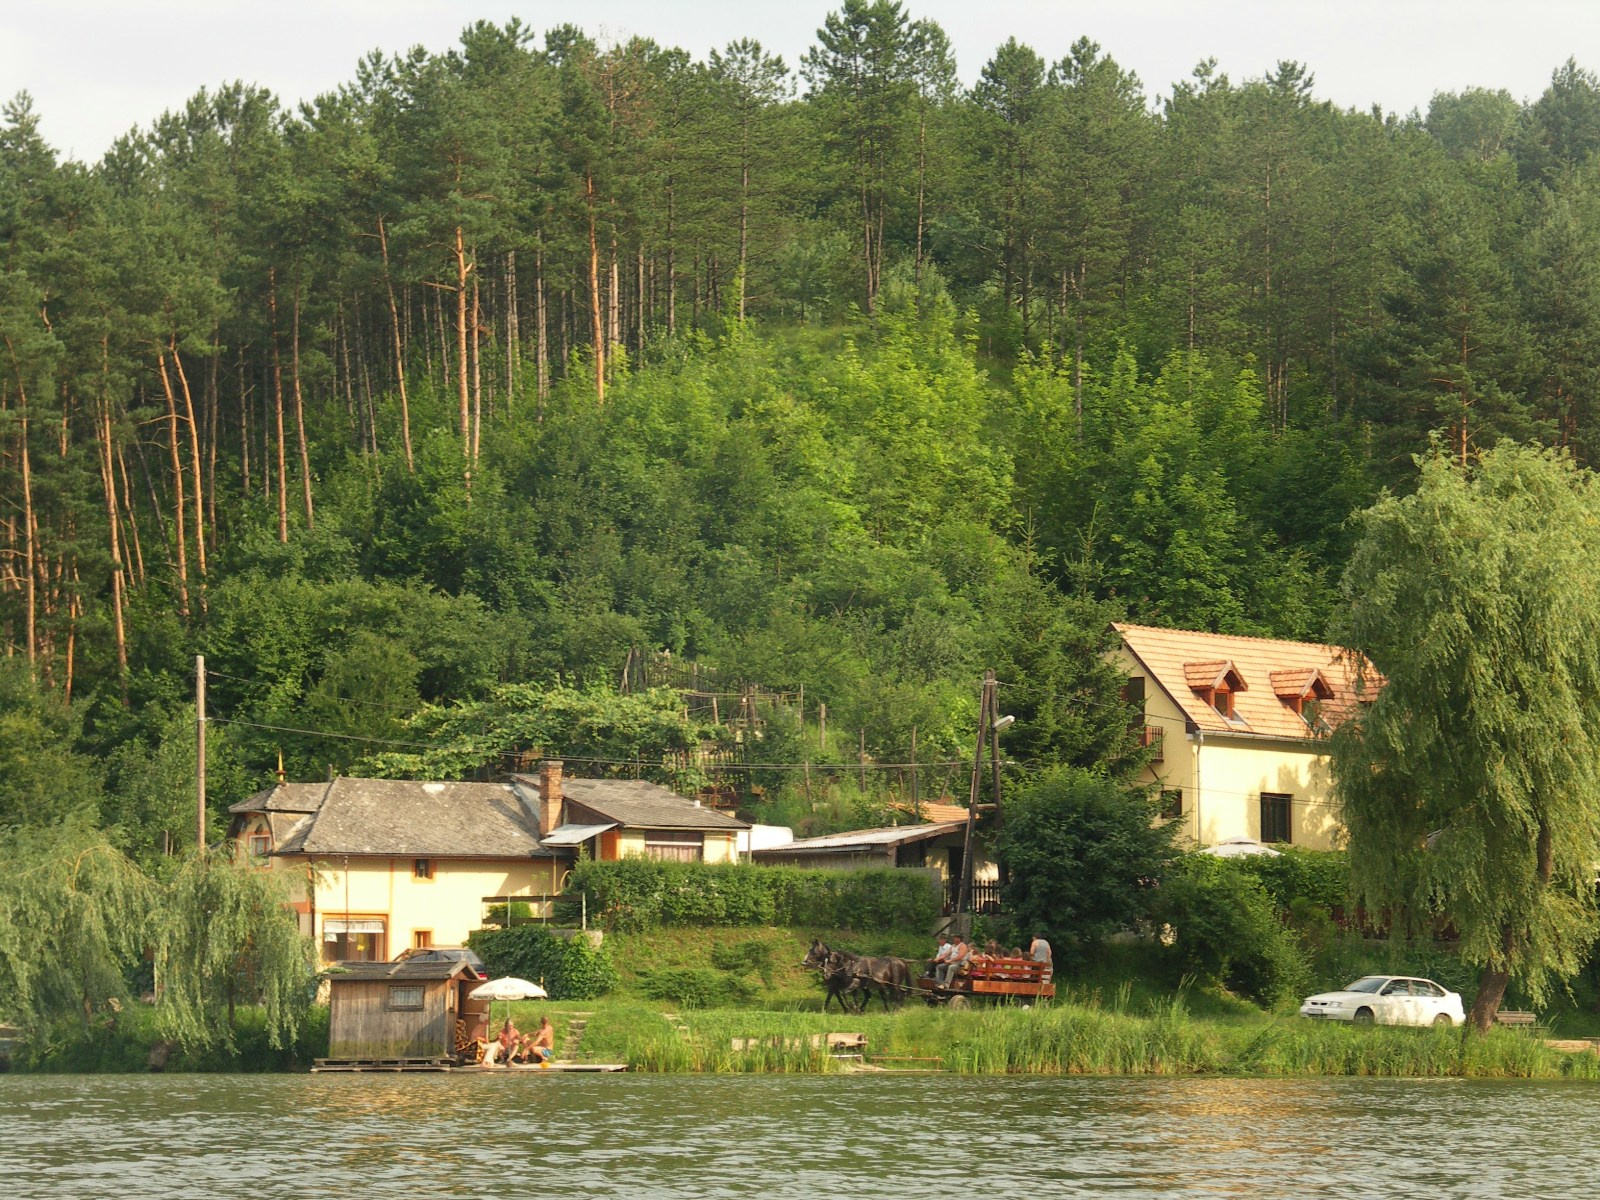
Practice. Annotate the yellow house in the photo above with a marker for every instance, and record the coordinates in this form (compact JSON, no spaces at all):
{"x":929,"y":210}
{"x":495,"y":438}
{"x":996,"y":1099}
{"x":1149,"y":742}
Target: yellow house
{"x":1239,"y":727}
{"x":381,"y":866}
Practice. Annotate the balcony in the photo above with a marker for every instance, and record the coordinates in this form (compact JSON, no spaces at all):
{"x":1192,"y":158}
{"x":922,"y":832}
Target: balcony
{"x":1153,"y":736}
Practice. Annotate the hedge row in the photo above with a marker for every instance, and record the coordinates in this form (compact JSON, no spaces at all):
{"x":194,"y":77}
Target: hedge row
{"x":569,"y":967}
{"x":639,"y":893}
{"x":1319,"y":876}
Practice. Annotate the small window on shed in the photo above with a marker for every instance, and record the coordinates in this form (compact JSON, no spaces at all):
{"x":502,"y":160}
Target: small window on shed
{"x":405,"y":996}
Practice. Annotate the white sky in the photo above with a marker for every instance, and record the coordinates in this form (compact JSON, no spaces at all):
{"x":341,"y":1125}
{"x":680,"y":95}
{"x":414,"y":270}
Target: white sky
{"x":99,"y":67}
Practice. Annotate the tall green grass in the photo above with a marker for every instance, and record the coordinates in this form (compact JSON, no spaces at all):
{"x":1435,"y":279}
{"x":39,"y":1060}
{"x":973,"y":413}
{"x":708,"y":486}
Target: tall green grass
{"x":1085,"y":1037}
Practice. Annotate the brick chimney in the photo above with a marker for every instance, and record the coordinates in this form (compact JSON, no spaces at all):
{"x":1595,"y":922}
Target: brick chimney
{"x":549,"y":795}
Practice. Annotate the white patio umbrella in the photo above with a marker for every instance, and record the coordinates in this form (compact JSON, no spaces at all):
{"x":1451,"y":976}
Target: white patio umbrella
{"x":507,"y":988}
{"x":1238,"y":847}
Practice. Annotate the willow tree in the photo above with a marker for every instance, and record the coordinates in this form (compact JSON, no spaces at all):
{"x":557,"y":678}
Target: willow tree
{"x":225,"y":938}
{"x":74,"y":915}
{"x":1470,"y":776}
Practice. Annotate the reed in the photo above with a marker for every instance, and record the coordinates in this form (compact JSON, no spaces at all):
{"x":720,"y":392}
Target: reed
{"x":1092,"y":1035}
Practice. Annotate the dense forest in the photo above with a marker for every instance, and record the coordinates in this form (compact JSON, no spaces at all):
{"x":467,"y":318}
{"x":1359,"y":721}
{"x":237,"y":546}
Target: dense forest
{"x":506,"y":359}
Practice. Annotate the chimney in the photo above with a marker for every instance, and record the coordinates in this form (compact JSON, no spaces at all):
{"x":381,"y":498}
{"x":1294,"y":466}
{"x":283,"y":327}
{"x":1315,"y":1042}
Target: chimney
{"x":549,"y":795}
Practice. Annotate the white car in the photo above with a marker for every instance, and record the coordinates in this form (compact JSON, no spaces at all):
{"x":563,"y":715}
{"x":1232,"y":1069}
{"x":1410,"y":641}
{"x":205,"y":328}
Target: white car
{"x":1388,"y":1000}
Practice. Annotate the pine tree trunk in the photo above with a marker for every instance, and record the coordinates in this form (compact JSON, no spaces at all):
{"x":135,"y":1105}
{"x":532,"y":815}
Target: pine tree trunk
{"x":108,"y":479}
{"x":477,"y":370}
{"x":244,"y":427}
{"x":277,"y":409}
{"x":399,"y":351}
{"x":464,"y":386}
{"x":133,"y":520}
{"x":513,"y":332}
{"x":194,"y":462}
{"x":542,"y":349}
{"x":29,"y":546}
{"x":594,"y":296}
{"x":177,"y":487}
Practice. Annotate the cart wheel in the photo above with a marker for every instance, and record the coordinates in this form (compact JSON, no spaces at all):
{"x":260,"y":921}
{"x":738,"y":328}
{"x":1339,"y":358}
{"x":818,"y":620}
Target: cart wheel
{"x":957,"y":1001}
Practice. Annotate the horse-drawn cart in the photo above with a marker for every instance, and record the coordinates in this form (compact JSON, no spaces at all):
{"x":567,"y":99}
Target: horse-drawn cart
{"x":991,"y":979}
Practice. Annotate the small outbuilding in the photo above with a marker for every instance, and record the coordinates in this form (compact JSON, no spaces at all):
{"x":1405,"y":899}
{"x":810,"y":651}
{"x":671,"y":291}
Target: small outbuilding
{"x":399,"y":1011}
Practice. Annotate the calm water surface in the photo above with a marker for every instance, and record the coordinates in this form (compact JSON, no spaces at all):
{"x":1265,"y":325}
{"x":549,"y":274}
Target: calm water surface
{"x":682,"y":1136}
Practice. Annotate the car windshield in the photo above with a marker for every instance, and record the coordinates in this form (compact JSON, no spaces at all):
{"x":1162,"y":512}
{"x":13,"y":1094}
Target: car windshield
{"x":1367,"y":983}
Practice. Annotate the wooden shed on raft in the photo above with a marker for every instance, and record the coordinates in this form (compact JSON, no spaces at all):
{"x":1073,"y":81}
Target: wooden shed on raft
{"x":399,"y":1012}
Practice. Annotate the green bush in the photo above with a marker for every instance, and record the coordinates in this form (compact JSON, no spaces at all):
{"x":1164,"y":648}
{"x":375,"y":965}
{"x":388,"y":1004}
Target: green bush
{"x":1319,"y":877}
{"x":521,"y":910}
{"x":695,"y":987}
{"x":569,"y":966}
{"x":1226,"y":930}
{"x":640,"y":893}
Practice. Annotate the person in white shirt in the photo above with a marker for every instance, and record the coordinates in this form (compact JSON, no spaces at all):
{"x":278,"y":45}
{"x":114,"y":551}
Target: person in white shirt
{"x":941,"y":956}
{"x":960,"y":954}
{"x":1039,"y":951}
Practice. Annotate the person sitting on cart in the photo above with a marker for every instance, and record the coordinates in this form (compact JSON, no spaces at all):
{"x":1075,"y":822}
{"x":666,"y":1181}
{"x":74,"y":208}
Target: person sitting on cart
{"x":960,"y":956}
{"x":941,"y":956}
{"x":1039,"y":951}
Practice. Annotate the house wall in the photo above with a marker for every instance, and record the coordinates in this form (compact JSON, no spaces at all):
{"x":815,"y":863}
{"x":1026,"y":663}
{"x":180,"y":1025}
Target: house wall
{"x":1222,"y":777}
{"x":361,"y":1024}
{"x":719,"y":847}
{"x":449,"y":906}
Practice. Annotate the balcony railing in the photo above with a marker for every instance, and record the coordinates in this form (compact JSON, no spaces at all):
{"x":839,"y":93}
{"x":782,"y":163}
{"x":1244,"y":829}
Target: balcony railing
{"x":1153,"y":736}
{"x":985,"y":896}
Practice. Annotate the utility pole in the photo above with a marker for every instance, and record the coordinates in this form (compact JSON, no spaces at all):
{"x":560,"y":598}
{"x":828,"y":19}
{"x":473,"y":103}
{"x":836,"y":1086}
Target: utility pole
{"x":985,"y":711}
{"x":200,"y":750}
{"x":994,"y":761}
{"x":916,"y":805}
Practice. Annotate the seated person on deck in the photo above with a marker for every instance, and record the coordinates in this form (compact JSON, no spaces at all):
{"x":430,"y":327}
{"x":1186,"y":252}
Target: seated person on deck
{"x":541,"y":1046}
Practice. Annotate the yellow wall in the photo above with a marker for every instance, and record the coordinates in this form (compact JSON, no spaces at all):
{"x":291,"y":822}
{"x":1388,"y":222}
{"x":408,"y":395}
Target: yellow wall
{"x":719,"y":847}
{"x":1223,"y":776}
{"x":449,"y":906}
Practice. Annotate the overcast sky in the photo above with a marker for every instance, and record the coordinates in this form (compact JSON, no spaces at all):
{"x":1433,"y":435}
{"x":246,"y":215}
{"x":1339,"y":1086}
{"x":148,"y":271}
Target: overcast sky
{"x":96,"y":68}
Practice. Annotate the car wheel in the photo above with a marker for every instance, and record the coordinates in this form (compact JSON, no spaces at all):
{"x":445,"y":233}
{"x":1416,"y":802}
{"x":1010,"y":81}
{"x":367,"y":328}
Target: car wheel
{"x":1363,"y":1017}
{"x":1442,"y":1021}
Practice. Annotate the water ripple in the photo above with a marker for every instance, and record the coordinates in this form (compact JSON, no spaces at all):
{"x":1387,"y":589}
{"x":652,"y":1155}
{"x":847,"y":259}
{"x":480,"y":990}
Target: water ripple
{"x":718,"y":1137}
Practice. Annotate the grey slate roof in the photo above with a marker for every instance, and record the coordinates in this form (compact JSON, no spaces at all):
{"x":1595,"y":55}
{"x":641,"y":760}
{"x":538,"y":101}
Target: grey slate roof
{"x":400,"y":972}
{"x":410,"y":819}
{"x":284,"y":798}
{"x":635,"y":803}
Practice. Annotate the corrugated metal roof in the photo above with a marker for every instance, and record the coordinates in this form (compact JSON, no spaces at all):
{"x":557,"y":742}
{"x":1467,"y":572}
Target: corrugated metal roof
{"x":1175,"y":658}
{"x":867,"y":838}
{"x":574,"y":835}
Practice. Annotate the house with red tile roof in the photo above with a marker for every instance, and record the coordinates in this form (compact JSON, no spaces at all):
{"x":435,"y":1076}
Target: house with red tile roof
{"x":1239,"y":727}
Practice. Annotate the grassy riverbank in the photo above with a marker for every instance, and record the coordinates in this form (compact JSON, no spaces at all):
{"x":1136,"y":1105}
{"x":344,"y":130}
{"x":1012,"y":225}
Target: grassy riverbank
{"x":1065,"y":1038}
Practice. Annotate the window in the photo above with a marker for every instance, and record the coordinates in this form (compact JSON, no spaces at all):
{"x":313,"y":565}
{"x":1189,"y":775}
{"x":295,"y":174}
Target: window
{"x":353,"y":939}
{"x":1275,"y":808}
{"x":1222,"y":701}
{"x":1171,"y":803}
{"x":422,"y":868}
{"x":1133,"y":692}
{"x":675,"y":845}
{"x":405,"y":996}
{"x":421,"y":939}
{"x":260,"y":844}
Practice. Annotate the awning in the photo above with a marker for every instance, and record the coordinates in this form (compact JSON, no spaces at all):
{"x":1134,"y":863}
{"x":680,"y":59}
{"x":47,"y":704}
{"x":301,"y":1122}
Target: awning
{"x":332,"y":925}
{"x":574,"y":835}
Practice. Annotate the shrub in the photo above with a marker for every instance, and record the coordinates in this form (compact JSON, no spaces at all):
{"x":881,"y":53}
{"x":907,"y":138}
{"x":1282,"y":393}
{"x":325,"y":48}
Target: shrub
{"x":1226,"y":930}
{"x":694,"y":987}
{"x":640,"y":893}
{"x":569,"y":965}
{"x":1318,"y":877}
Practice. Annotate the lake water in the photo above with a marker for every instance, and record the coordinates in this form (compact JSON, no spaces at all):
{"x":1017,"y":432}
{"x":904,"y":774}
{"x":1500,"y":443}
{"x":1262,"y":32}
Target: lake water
{"x":774,"y":1136}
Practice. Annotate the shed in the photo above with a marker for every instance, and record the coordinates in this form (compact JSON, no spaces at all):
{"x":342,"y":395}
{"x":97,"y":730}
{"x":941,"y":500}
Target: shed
{"x":398,"y":1010}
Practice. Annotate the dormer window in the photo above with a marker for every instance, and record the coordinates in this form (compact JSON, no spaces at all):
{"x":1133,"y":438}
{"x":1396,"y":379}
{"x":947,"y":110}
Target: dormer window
{"x":1216,"y":684}
{"x":1303,"y":691}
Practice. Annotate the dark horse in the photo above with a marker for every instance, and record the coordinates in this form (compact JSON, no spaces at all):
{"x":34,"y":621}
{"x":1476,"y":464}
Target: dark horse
{"x":844,"y":973}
